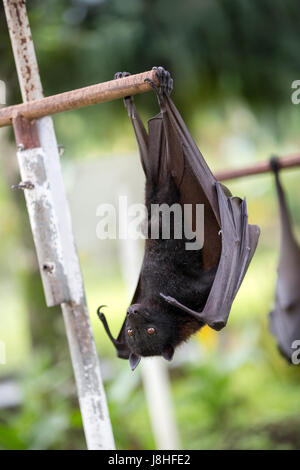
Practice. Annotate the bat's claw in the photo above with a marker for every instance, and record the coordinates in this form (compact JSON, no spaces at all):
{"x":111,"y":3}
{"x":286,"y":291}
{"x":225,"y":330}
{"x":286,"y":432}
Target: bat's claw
{"x":165,"y":80}
{"x":165,"y":83}
{"x":121,"y":75}
{"x":155,"y":88}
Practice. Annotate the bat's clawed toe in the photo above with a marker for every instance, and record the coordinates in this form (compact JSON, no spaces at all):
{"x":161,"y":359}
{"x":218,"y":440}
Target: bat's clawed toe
{"x":121,"y":75}
{"x":117,"y":76}
{"x":165,"y":80}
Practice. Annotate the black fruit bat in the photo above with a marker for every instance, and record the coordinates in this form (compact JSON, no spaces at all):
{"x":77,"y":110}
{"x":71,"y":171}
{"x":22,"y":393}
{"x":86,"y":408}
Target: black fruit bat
{"x":179,"y":290}
{"x":285,"y":316}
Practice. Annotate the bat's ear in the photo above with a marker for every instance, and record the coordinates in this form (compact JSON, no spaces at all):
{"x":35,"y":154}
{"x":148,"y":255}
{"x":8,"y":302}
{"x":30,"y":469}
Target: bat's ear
{"x":134,"y":360}
{"x":168,"y":353}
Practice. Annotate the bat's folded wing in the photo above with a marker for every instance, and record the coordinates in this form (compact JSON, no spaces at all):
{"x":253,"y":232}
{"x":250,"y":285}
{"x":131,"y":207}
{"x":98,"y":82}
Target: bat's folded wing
{"x":239,"y":239}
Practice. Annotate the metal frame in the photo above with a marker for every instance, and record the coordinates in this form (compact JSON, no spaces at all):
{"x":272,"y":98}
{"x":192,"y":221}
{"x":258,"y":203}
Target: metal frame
{"x":289,"y":161}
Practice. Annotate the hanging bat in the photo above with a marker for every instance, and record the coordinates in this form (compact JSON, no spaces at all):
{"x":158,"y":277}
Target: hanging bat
{"x":181,"y":289}
{"x":285,"y":316}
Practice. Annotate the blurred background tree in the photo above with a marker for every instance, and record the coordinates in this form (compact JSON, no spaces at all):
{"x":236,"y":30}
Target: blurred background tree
{"x":233,"y":62}
{"x":215,"y":50}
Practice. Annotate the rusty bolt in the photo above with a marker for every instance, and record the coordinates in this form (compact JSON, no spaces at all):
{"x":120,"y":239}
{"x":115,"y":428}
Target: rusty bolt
{"x":48,"y":267}
{"x":61,"y":149}
{"x":23,"y":185}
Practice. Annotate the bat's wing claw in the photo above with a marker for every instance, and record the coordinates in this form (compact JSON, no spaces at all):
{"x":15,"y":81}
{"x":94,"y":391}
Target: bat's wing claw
{"x":101,"y":314}
{"x":169,"y":299}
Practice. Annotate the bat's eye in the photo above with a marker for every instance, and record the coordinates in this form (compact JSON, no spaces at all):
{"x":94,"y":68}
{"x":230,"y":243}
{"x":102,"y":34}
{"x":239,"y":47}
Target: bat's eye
{"x":130,"y":332}
{"x":151,"y":331}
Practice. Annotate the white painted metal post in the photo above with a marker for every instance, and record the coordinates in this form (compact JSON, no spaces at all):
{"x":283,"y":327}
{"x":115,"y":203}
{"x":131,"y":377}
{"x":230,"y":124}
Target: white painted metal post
{"x":52,"y":231}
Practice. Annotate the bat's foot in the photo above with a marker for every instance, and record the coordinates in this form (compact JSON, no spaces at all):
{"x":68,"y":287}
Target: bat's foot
{"x":165,"y":83}
{"x":165,"y":80}
{"x":123,"y":75}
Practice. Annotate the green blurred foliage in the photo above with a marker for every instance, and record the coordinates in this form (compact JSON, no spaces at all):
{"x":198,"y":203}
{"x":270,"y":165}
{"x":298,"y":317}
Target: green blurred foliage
{"x":233,"y":63}
{"x":50,"y":418}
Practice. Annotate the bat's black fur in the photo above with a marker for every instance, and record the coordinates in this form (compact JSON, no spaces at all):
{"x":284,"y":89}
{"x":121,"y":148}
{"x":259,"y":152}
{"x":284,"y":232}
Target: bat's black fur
{"x":166,"y":263}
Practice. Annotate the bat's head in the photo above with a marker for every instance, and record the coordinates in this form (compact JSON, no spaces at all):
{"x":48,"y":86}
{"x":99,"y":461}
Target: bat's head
{"x":149,"y":332}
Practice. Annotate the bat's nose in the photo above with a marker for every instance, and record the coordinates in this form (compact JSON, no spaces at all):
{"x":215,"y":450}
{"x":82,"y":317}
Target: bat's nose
{"x":132,"y":310}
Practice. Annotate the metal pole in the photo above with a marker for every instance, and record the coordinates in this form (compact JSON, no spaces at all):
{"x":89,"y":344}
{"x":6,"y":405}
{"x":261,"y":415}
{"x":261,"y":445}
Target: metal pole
{"x":40,"y":107}
{"x":52,"y":231}
{"x":260,"y":167}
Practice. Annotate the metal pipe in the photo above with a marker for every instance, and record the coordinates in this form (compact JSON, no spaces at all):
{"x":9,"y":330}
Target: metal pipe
{"x":258,"y":168}
{"x":99,"y":93}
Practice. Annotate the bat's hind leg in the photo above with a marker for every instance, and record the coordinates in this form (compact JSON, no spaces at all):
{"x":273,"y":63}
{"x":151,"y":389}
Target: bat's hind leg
{"x":165,"y":80}
{"x":128,"y":100}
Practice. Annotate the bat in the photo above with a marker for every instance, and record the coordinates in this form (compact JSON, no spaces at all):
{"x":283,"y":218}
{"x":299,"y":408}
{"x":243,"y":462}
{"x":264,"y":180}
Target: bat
{"x":284,"y":319}
{"x":181,"y":289}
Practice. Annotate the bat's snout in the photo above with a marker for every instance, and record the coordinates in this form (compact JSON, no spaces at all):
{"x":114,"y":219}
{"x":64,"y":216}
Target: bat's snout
{"x":132,"y":310}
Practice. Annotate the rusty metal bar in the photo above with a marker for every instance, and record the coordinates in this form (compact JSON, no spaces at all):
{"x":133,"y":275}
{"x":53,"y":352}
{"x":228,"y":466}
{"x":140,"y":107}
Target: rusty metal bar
{"x":51,"y":225}
{"x":260,"y":167}
{"x":106,"y":91}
